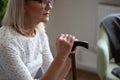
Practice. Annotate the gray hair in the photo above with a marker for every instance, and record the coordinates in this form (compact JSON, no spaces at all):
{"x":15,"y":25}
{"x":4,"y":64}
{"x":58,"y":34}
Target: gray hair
{"x":14,"y":16}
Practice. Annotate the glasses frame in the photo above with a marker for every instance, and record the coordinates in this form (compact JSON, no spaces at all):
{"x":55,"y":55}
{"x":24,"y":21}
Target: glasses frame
{"x":45,"y":2}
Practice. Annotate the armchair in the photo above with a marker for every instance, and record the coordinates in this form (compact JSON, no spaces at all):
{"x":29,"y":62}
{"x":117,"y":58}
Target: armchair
{"x":104,"y":57}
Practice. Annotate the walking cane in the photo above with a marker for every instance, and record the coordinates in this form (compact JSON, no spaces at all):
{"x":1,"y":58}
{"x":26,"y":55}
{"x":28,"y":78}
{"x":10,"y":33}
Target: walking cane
{"x":76,"y":43}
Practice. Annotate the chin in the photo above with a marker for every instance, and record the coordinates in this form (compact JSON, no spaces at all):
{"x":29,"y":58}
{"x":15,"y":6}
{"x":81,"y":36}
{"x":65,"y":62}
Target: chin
{"x":46,"y":20}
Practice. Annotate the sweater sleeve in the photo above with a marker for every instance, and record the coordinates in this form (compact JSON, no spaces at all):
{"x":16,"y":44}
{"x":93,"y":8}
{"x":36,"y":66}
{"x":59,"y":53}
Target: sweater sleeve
{"x":47,"y":55}
{"x":12,"y":64}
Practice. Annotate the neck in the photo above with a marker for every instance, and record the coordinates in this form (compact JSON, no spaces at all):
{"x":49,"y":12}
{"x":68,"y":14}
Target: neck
{"x":29,"y":27}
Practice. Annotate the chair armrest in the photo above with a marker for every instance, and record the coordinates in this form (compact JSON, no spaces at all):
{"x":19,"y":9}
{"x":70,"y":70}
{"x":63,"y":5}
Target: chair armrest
{"x":103,"y":53}
{"x":102,"y":58}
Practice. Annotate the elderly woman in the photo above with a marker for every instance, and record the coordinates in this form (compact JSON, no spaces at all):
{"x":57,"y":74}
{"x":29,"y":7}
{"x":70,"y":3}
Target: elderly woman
{"x":24,"y":46}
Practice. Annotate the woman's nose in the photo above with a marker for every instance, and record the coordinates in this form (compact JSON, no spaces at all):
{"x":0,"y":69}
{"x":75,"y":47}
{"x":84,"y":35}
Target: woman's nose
{"x":48,"y":6}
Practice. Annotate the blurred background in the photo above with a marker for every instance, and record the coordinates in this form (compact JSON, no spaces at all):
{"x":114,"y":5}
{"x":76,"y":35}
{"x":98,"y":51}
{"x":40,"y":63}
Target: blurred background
{"x":80,"y":18}
{"x":3,"y":4}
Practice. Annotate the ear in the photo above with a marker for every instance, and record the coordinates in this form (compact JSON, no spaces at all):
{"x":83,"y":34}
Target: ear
{"x":26,"y":4}
{"x":26,"y":7}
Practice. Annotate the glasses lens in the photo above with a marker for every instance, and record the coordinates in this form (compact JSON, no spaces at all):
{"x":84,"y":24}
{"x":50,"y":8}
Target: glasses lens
{"x":48,"y":1}
{"x":40,"y":1}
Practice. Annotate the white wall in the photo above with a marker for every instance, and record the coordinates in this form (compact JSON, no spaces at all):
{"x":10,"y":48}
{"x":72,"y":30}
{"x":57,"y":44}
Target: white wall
{"x":79,"y":18}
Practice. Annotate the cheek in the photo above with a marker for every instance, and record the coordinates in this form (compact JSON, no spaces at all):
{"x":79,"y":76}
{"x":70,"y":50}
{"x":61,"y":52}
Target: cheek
{"x":37,"y":11}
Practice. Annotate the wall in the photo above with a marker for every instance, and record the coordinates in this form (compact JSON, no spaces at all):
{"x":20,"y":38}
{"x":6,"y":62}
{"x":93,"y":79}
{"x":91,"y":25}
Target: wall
{"x":79,"y":18}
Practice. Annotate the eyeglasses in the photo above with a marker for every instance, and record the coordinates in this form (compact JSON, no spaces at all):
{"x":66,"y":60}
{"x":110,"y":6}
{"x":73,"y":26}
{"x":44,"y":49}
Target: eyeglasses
{"x":45,"y":2}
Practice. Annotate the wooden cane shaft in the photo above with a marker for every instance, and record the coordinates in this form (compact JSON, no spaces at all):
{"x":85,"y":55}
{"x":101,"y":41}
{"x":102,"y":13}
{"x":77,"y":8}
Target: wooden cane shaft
{"x":74,"y":76}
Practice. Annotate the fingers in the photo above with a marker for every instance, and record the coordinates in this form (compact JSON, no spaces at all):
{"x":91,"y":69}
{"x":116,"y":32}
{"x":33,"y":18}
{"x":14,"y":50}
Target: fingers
{"x":64,"y":45}
{"x":67,"y":37}
{"x":71,"y":38}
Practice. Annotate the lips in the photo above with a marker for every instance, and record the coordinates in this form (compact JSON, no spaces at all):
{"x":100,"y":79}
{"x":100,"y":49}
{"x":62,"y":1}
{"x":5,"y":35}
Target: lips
{"x":46,"y":14}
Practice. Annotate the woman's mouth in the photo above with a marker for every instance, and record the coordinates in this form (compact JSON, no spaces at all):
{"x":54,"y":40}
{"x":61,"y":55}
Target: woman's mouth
{"x":46,"y":14}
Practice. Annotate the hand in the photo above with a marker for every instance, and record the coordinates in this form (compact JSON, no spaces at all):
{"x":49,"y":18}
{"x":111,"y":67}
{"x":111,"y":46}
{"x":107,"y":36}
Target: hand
{"x":64,"y":45}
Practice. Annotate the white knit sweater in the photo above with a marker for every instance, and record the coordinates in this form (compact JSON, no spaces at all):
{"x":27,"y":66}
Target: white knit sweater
{"x":21,"y":57}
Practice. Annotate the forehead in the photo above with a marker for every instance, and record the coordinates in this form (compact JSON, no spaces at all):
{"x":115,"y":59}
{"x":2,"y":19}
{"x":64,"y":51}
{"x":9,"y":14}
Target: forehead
{"x":41,"y":1}
{"x":46,"y":0}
